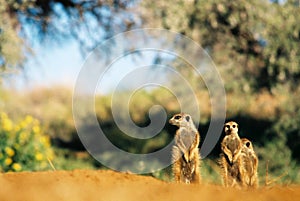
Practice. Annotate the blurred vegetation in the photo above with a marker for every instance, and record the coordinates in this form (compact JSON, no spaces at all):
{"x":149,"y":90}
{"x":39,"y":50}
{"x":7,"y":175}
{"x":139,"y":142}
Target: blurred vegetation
{"x":256,"y":41}
{"x":256,"y":48}
{"x":26,"y":22}
{"x":10,"y":43}
{"x":272,"y":134}
{"x":23,"y":146}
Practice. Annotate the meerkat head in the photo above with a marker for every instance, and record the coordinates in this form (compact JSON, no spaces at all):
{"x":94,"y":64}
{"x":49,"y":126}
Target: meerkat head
{"x":181,"y":120}
{"x":231,"y":127}
{"x":246,"y":143}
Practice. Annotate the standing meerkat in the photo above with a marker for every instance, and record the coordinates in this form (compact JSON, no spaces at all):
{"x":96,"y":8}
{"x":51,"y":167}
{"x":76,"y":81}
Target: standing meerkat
{"x":230,"y":161}
{"x":185,"y":152}
{"x":250,"y":163}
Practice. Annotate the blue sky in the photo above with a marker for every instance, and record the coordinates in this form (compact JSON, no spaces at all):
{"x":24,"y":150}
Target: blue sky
{"x":50,"y":65}
{"x":60,"y":64}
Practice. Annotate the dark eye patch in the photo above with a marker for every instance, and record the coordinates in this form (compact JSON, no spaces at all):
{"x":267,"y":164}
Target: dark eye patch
{"x":248,"y":144}
{"x":177,"y":117}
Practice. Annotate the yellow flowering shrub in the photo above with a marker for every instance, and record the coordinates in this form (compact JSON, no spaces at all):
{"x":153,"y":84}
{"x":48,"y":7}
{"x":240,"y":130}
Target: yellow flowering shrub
{"x":23,"y":146}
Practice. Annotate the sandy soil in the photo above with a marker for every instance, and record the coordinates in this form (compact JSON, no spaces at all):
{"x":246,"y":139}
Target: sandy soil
{"x":113,"y":186}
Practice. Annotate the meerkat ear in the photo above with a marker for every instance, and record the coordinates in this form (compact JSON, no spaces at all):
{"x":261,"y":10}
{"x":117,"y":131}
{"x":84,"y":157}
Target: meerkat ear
{"x":187,"y":118}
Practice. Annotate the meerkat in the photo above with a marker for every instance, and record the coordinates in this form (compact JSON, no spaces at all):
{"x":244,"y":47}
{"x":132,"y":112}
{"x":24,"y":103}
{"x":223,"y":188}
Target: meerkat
{"x":250,"y":163}
{"x":230,"y":161}
{"x":185,"y":152}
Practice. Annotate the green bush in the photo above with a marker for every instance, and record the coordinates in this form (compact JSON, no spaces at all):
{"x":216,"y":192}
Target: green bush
{"x":23,"y":146}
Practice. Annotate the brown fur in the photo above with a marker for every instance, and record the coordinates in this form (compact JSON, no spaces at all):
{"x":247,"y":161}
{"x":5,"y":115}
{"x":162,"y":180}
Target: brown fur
{"x":250,"y":163}
{"x":185,"y":152}
{"x":230,"y":161}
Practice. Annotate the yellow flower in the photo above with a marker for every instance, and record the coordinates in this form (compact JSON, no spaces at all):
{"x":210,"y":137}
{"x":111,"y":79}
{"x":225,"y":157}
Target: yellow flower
{"x":23,"y":137}
{"x":36,"y":129}
{"x":45,"y":141}
{"x":17,"y":128}
{"x":28,"y":119}
{"x":17,"y":167}
{"x":9,"y":151}
{"x":22,"y":125}
{"x":7,"y":125}
{"x":39,"y":156}
{"x":8,"y":161}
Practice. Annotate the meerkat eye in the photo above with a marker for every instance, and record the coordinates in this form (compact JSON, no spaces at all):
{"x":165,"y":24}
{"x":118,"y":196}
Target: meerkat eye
{"x":187,"y":118}
{"x":248,"y":144}
{"x":177,"y":117}
{"x":227,"y":126}
{"x":233,"y":126}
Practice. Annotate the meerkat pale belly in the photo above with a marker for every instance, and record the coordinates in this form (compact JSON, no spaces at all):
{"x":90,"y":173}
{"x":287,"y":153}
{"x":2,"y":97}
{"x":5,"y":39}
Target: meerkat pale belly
{"x":185,"y":153}
{"x":250,"y":163}
{"x":230,"y":160}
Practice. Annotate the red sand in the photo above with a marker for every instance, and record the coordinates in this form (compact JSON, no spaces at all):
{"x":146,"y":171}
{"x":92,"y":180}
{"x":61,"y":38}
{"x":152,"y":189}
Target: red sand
{"x":113,"y":186}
